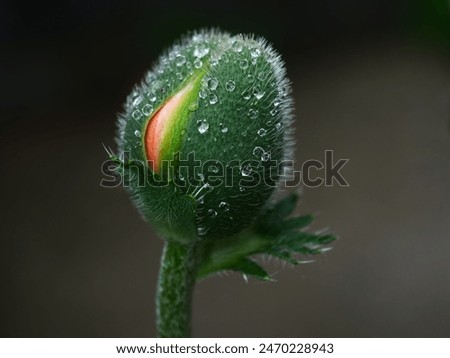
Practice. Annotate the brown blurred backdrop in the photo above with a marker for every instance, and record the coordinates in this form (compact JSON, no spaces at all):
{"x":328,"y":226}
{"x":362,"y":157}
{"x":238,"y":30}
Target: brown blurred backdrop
{"x":371,"y":81}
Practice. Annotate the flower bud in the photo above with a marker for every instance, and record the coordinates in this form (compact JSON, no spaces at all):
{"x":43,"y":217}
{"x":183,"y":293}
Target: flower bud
{"x":208,"y":129}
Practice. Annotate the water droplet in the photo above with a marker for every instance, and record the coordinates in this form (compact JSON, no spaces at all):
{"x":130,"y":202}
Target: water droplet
{"x":137,"y":101}
{"x":151,"y":97}
{"x":243,"y":64}
{"x":180,"y":60}
{"x":213,"y":168}
{"x":230,"y":86}
{"x":237,"y":46}
{"x":246,"y":94}
{"x":253,"y":113}
{"x":193,"y":106}
{"x":241,"y":189}
{"x":147,"y":109}
{"x":262,"y":76}
{"x":214,"y":60}
{"x":203,"y":93}
{"x":201,"y":51}
{"x":262,"y":132}
{"x":274,"y":111}
{"x":265,"y":156}
{"x":137,"y":133}
{"x":136,"y":114}
{"x":258,"y":151}
{"x":213,"y":99}
{"x":278,"y":126}
{"x":179,"y":75}
{"x":255,"y":52}
{"x":183,"y":131}
{"x":212,"y":213}
{"x":283,"y":91}
{"x":198,"y":63}
{"x":250,"y":78}
{"x":276,"y":103}
{"x":213,"y":83}
{"x":246,"y":171}
{"x":258,"y":92}
{"x":224,"y":206}
{"x":223,"y":129}
{"x":202,"y":126}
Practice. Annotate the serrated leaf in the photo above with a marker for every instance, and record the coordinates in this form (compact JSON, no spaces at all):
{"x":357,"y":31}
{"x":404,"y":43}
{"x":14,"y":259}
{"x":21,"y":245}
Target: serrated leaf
{"x":284,"y":256}
{"x":286,"y":206}
{"x":308,"y":251}
{"x":326,"y":239}
{"x":250,"y":267}
{"x":298,"y":222}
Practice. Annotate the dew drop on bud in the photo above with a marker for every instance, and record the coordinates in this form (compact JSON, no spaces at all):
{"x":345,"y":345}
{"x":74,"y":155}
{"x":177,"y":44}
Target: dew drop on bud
{"x":258,"y":93}
{"x":147,"y":109}
{"x":265,"y":156}
{"x":214,"y":169}
{"x":262,"y":76}
{"x":201,"y":51}
{"x":230,"y":86}
{"x":151,"y":97}
{"x":253,"y":113}
{"x":203,"y":93}
{"x":213,"y":83}
{"x":202,"y":126}
{"x":223,"y":129}
{"x":246,"y":171}
{"x":243,"y":64}
{"x":237,"y":46}
{"x":224,"y":206}
{"x":198,"y":63}
{"x":137,"y":101}
{"x":255,"y":52}
{"x":136,"y":114}
{"x":262,"y":132}
{"x":246,"y":94}
{"x":180,"y":60}
{"x":212,"y":213}
{"x":213,"y":99}
{"x":258,"y":151}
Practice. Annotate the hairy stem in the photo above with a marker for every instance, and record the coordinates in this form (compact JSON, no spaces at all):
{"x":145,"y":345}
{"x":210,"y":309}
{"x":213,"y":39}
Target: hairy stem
{"x":175,"y":287}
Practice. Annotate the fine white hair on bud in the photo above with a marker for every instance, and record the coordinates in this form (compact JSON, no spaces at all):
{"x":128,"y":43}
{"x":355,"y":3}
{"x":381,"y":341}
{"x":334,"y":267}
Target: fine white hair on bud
{"x":205,"y":136}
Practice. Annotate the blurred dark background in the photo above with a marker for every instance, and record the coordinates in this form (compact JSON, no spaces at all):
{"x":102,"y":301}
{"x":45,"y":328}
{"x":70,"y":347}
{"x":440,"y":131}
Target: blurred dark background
{"x":371,"y":81}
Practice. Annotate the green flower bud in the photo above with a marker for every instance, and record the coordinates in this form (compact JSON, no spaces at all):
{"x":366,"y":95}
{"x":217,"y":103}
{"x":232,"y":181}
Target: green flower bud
{"x":204,"y":135}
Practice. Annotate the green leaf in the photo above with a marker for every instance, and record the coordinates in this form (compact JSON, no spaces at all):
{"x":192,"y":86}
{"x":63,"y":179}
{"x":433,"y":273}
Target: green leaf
{"x":298,"y":222}
{"x":250,"y":267}
{"x":286,"y":206}
{"x":284,"y":256}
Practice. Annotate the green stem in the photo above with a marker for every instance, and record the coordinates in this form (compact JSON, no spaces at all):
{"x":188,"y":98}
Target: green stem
{"x":175,"y":286}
